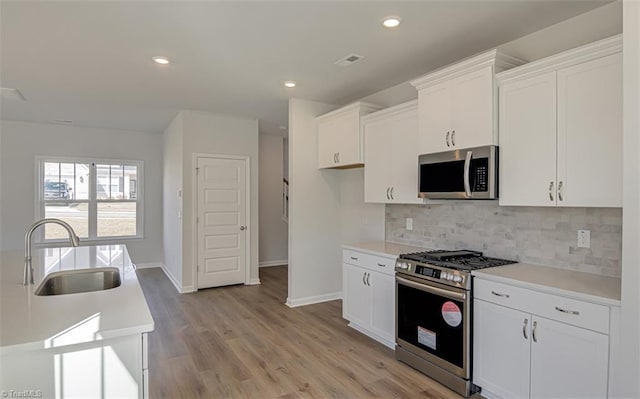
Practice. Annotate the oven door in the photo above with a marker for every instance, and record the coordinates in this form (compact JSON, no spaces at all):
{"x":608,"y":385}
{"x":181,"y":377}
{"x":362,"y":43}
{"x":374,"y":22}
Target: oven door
{"x":432,"y":321}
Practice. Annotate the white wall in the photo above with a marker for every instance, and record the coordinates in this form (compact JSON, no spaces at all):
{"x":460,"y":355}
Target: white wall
{"x":586,"y":28}
{"x":273,"y":229}
{"x":359,"y":221}
{"x":628,"y":365}
{"x":23,"y":141}
{"x":589,"y":27}
{"x":172,"y":203}
{"x":326,"y":207}
{"x":218,"y":134}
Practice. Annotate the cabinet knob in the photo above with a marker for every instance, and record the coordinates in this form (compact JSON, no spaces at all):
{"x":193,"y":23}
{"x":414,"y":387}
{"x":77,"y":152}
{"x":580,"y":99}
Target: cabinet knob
{"x":447,"y":139}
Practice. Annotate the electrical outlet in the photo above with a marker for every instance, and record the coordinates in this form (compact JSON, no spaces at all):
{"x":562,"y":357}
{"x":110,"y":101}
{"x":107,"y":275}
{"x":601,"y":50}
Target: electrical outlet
{"x":584,"y":239}
{"x":409,"y":223}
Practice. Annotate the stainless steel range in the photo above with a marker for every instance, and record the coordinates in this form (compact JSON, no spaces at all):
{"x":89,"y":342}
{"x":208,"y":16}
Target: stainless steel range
{"x":433,"y":313}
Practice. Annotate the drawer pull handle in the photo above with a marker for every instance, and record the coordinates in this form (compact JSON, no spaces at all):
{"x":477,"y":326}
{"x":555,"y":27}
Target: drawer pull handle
{"x":499,"y":294}
{"x":533,"y":331}
{"x":353,"y":258}
{"x":574,"y":312}
{"x":382,"y":265}
{"x":524,"y":329}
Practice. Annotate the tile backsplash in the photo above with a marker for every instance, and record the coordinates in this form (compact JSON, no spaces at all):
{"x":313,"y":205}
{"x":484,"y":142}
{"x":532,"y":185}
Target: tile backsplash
{"x":543,"y":236}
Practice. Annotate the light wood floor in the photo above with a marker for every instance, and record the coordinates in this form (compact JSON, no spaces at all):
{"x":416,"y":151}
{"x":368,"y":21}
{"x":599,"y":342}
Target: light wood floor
{"x":243,"y":342}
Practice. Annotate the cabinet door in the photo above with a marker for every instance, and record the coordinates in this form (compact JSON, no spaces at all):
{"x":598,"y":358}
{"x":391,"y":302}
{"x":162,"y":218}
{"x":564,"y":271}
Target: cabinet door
{"x":501,"y":345}
{"x":472,"y":104}
{"x":339,"y":140}
{"x":528,"y":142}
{"x":383,"y":310}
{"x":434,"y":118}
{"x":404,"y":159}
{"x":590,"y":133}
{"x":356,"y":306}
{"x":377,"y":157}
{"x":567,"y":361}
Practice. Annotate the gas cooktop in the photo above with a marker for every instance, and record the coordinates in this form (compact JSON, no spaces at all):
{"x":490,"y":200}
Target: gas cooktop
{"x":462,"y":260}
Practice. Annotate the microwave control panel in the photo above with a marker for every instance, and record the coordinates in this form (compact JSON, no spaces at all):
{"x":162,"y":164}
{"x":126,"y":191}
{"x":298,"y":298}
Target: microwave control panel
{"x":481,"y":179}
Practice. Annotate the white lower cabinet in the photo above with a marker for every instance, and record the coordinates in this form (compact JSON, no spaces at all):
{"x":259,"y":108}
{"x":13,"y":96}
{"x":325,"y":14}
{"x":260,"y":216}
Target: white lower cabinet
{"x":108,"y":368}
{"x":369,"y":295}
{"x":519,"y":354}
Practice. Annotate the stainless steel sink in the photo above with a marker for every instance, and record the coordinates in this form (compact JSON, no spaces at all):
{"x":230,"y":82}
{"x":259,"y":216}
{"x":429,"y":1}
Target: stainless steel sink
{"x":76,"y":281}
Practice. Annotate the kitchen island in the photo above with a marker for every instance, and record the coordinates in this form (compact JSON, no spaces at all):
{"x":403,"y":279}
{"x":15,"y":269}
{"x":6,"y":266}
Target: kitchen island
{"x":89,"y":344}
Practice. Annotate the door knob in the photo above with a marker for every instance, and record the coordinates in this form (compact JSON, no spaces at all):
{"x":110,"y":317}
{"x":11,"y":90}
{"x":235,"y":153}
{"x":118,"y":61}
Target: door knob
{"x":243,"y":227}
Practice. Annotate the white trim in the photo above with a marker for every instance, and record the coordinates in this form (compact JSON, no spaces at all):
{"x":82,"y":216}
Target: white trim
{"x":149,"y":265}
{"x":270,"y":263}
{"x":362,"y":107}
{"x":194,"y":202}
{"x":310,"y":300}
{"x":578,"y":55}
{"x":253,"y":281}
{"x":181,"y":290}
{"x":372,"y":335}
{"x":495,"y":58}
{"x":390,"y":113}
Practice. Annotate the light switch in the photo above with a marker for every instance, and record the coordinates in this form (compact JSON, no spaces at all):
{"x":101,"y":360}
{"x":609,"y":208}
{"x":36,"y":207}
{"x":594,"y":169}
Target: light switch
{"x":409,"y":223}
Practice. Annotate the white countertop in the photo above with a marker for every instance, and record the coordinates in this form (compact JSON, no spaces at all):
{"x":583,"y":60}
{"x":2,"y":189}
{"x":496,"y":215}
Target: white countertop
{"x":578,"y":285}
{"x":383,"y":248}
{"x":28,"y":321}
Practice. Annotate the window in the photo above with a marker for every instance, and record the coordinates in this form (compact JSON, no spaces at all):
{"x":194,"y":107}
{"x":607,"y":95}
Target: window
{"x":100,"y":199}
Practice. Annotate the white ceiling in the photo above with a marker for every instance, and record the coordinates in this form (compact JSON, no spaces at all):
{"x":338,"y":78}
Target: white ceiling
{"x":90,"y":62}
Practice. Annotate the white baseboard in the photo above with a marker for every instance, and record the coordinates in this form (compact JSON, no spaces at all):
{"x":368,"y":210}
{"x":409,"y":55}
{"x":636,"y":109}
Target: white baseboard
{"x":182,"y":290}
{"x":371,"y":334}
{"x":253,"y":281}
{"x":270,"y":263}
{"x":150,"y":265}
{"x":310,"y":300}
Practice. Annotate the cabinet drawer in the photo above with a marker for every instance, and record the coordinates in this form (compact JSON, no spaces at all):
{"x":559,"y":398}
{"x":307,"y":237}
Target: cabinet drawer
{"x":371,"y":262}
{"x":578,"y":313}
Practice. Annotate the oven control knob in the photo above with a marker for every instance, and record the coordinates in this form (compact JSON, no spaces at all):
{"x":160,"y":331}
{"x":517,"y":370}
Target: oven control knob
{"x":402,"y":265}
{"x":457,"y":279}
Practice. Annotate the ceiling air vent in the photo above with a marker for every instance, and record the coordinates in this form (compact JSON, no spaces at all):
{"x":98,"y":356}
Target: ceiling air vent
{"x":12,"y":94}
{"x":349,"y":60}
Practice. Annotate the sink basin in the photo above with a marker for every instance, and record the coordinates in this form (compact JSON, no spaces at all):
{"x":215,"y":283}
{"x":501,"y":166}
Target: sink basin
{"x":76,"y":281}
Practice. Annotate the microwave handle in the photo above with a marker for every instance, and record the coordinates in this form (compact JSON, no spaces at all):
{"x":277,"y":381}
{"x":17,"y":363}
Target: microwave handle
{"x":467,"y":167}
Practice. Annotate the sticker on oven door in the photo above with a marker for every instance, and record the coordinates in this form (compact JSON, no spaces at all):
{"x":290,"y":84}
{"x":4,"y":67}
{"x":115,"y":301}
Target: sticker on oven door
{"x":427,"y":337}
{"x":451,"y":314}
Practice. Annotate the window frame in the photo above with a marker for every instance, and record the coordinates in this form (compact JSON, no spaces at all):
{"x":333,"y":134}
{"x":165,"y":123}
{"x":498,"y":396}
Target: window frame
{"x":92,"y":201}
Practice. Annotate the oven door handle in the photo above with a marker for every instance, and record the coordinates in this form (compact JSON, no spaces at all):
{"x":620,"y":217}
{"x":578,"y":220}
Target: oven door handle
{"x":432,"y":290}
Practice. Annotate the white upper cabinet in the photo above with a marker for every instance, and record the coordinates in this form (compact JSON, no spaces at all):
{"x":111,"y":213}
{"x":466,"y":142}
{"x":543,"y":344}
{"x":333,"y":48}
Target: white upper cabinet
{"x":391,"y":155}
{"x":528,"y":141}
{"x":561,"y":129}
{"x":457,"y":104}
{"x":340,"y":138}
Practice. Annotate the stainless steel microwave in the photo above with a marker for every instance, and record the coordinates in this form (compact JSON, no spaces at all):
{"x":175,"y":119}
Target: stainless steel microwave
{"x":471,"y":173}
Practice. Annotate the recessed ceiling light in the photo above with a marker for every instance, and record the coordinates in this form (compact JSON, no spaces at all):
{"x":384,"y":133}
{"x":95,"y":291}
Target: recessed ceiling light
{"x":290,"y":84}
{"x":161,"y":60}
{"x":391,"y":21}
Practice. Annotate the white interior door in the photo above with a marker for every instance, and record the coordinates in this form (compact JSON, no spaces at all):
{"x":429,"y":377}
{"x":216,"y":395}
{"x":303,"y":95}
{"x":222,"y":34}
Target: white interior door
{"x":222,"y":215}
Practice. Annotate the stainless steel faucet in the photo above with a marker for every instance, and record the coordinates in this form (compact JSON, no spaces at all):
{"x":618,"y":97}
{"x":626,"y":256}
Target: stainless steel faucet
{"x":27,"y":277}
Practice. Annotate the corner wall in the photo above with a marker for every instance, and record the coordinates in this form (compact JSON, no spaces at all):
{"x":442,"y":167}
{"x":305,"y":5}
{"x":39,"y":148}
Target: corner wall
{"x":627,"y":367}
{"x":273,"y":229}
{"x":172,"y":203}
{"x":326,"y":210}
